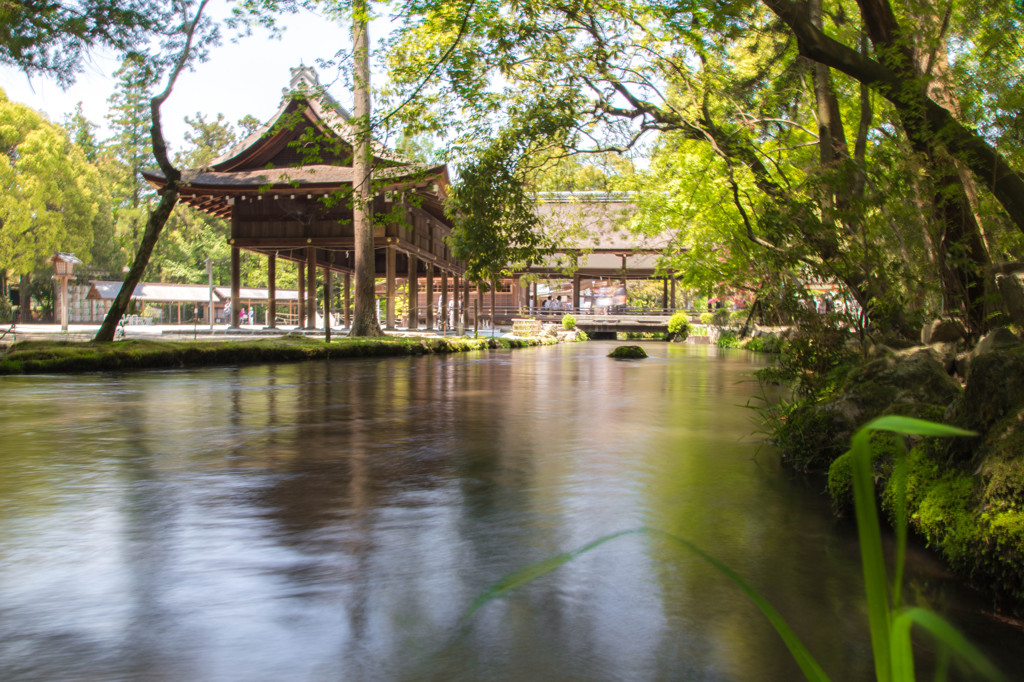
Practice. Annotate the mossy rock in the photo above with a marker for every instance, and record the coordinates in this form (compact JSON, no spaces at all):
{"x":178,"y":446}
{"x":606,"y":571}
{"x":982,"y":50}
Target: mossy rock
{"x":814,"y":434}
{"x":915,"y":378}
{"x":628,"y":352}
{"x":980,"y":535}
{"x":885,"y":447}
{"x":994,"y":389}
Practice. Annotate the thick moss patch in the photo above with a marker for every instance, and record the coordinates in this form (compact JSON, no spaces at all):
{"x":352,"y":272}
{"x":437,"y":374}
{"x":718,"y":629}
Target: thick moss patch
{"x":38,"y":357}
{"x":981,"y":537}
{"x":628,"y":352}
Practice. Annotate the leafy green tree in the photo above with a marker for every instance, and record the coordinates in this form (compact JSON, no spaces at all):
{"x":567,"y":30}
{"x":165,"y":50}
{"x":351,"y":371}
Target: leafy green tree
{"x":728,"y":77}
{"x":50,"y":195}
{"x":51,"y":38}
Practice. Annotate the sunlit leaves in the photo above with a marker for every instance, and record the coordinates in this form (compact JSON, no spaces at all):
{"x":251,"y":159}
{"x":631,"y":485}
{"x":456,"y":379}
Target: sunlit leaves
{"x":49,"y":194}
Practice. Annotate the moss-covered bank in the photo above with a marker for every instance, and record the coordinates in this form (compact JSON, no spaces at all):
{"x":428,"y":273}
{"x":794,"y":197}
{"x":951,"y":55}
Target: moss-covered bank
{"x":965,"y":496}
{"x":44,"y":357}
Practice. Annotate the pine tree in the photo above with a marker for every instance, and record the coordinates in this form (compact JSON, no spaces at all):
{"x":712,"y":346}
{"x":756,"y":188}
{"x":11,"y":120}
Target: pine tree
{"x":128,"y":151}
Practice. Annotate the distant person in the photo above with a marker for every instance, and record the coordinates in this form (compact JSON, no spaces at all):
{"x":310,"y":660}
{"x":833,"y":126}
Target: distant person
{"x":547,"y":303}
{"x":558,"y":304}
{"x":227,"y":312}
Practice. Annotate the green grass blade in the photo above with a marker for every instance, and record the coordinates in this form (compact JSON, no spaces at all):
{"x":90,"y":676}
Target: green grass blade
{"x":872,"y":561}
{"x":869,"y":534}
{"x":530,"y":573}
{"x":945,"y":634}
{"x":900,"y":474}
{"x":808,"y":665}
{"x":914,"y":427}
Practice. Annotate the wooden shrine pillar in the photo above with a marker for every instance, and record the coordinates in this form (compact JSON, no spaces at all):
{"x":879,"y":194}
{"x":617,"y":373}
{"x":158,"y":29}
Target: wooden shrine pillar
{"x":328,"y":293}
{"x":301,"y":307}
{"x":390,"y":254}
{"x":576,"y":292}
{"x":466,"y":318}
{"x":311,"y":287}
{"x":236,"y":285}
{"x":445,"y":321}
{"x":533,"y":297}
{"x":494,"y":294}
{"x":672,"y":300}
{"x":664,"y":293}
{"x":414,"y":280}
{"x":272,"y":290}
{"x":430,"y":296}
{"x":347,"y":295}
{"x":457,"y":305}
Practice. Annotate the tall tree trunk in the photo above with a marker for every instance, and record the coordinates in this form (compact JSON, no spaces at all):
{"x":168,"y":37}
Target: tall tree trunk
{"x":364,"y":320}
{"x":891,"y":79}
{"x":168,"y":195}
{"x":962,"y":255}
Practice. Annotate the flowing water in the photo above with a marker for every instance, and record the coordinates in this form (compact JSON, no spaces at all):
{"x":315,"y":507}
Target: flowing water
{"x":337,"y":520}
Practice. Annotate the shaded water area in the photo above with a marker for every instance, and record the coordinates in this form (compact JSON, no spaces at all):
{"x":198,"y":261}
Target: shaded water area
{"x":336,"y":520}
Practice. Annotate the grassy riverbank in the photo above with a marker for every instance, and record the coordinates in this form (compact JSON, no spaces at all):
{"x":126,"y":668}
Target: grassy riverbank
{"x":49,"y":357}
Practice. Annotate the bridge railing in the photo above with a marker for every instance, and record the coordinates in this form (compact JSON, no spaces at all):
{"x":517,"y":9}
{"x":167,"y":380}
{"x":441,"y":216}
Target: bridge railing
{"x":503,"y":315}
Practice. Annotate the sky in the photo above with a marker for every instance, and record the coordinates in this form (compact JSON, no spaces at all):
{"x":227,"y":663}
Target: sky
{"x":239,"y":78}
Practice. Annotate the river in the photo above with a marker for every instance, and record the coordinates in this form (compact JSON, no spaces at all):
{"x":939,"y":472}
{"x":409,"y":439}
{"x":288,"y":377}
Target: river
{"x":337,"y":520}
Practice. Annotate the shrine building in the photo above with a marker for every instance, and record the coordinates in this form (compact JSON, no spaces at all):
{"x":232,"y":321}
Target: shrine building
{"x":286,"y":190}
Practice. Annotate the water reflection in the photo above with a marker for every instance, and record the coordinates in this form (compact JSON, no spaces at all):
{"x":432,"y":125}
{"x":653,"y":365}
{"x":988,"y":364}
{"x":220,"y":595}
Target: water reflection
{"x":335,"y":520}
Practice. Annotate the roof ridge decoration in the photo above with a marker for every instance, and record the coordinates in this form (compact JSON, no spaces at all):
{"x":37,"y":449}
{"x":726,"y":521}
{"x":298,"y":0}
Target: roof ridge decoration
{"x":304,"y":89}
{"x":305,"y":80}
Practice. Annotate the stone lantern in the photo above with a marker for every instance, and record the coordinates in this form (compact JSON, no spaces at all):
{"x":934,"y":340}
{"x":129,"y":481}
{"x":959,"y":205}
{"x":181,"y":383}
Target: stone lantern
{"x":63,"y":270}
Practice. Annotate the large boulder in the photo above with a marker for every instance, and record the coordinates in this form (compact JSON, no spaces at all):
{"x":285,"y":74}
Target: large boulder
{"x":999,"y":338}
{"x":917,"y":378}
{"x":942,"y":331}
{"x":994,"y":390}
{"x":913,"y":385}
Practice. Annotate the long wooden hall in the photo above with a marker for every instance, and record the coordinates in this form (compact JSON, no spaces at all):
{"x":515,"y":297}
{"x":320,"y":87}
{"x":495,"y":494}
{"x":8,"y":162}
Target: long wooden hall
{"x":286,"y":190}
